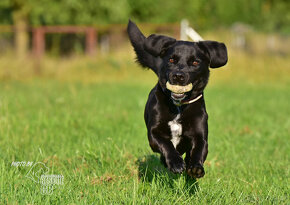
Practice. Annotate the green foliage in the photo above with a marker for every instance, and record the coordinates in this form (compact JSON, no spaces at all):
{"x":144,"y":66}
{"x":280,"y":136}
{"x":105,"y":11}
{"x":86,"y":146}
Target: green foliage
{"x":265,"y":14}
{"x":79,"y":12}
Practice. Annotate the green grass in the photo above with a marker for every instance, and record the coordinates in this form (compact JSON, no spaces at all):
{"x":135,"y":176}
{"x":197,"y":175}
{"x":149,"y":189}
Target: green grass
{"x":94,"y":135}
{"x":83,"y":118}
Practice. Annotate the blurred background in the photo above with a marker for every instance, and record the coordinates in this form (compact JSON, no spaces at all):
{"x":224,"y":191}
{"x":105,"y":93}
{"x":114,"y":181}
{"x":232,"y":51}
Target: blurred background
{"x":87,"y":40}
{"x":72,"y":97}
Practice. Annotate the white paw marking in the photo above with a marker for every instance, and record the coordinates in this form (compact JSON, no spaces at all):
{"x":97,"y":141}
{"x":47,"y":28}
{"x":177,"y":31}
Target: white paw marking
{"x":176,"y":130}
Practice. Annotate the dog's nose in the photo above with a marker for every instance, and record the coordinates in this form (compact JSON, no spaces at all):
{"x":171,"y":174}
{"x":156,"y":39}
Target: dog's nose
{"x":177,"y":78}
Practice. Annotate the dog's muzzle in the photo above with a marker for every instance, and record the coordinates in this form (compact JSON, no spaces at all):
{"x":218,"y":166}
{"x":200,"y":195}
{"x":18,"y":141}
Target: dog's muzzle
{"x":178,"y":91}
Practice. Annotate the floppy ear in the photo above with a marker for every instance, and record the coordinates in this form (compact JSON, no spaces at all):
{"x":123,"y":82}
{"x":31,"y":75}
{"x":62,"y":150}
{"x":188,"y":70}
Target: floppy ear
{"x":217,"y":53}
{"x":148,"y":49}
{"x":135,"y":35}
{"x":157,"y":45}
{"x":137,"y":39}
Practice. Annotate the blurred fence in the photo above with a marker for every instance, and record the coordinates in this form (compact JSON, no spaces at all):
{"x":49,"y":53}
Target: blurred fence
{"x":92,"y":40}
{"x":38,"y":36}
{"x":85,"y":39}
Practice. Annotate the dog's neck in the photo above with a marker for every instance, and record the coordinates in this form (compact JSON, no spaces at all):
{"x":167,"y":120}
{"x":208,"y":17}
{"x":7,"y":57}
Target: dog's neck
{"x":186,"y":102}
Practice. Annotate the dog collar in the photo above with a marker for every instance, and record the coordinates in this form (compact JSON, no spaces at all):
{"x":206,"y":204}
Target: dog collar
{"x":179,"y":103}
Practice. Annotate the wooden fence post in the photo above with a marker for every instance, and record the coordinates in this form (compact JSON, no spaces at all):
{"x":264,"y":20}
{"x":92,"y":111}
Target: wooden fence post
{"x":38,"y":42}
{"x":91,"y":41}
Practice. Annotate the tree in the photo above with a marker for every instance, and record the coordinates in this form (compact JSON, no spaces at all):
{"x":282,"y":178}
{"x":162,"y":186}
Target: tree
{"x":16,"y":12}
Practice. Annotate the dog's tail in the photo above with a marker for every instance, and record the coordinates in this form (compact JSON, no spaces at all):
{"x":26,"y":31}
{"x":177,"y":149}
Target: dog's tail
{"x":137,"y":39}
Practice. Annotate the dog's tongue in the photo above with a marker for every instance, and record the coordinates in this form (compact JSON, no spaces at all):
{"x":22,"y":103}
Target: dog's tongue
{"x":178,"y":89}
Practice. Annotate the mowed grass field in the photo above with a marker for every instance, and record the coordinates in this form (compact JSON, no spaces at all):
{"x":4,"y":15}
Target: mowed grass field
{"x":84,"y":120}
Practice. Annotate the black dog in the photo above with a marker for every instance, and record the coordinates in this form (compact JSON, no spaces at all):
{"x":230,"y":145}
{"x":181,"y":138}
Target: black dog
{"x":175,"y":113}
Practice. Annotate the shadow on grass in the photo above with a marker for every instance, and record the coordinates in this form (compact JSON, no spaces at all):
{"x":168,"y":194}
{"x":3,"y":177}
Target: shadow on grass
{"x":152,"y":171}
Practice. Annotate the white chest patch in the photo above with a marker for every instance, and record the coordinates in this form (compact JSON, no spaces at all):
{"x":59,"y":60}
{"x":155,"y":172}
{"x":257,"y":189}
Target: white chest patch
{"x":176,"y":130}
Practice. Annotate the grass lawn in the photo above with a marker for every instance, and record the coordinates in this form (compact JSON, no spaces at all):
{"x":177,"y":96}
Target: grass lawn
{"x":93,"y":134}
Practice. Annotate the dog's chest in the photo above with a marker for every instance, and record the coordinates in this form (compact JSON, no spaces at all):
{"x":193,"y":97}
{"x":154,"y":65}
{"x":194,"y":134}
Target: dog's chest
{"x":176,"y":130}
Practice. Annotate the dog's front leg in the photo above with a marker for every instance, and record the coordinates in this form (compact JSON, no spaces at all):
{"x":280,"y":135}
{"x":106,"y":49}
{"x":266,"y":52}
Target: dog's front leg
{"x":159,"y":143}
{"x":196,"y":157}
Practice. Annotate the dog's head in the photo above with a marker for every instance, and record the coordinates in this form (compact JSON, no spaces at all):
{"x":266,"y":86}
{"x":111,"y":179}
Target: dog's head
{"x":182,"y":66}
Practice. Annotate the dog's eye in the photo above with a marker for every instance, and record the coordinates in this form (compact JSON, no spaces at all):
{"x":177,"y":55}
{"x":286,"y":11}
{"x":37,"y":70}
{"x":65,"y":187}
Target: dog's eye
{"x":171,"y":60}
{"x":195,"y":63}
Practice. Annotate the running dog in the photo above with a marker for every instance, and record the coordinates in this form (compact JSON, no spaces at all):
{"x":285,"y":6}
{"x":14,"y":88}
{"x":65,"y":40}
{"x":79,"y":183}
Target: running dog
{"x":175,"y":113}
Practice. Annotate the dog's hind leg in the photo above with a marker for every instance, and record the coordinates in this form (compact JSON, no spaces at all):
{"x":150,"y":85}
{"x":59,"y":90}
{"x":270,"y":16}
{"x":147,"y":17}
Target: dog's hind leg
{"x":162,"y":160}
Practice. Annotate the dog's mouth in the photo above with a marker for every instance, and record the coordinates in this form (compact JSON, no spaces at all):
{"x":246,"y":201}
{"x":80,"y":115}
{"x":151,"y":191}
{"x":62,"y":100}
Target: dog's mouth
{"x":178,"y":91}
{"x":178,"y":97}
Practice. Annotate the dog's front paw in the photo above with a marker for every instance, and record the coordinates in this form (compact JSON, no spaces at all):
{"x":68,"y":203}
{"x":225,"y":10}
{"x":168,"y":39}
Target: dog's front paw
{"x":176,"y":164}
{"x":196,"y":171}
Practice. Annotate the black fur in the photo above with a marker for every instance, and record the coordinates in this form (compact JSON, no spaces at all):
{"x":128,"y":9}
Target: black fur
{"x":179,"y":63}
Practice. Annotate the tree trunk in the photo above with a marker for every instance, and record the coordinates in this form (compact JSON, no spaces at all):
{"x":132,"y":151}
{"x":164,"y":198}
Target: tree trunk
{"x":21,"y":37}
